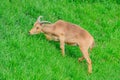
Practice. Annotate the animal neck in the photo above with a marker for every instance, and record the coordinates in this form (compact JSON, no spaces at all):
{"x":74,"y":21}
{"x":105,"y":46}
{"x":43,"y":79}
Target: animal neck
{"x":45,"y":27}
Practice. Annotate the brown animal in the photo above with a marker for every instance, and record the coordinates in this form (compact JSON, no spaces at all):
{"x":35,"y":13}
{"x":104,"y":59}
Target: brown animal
{"x":68,"y":33}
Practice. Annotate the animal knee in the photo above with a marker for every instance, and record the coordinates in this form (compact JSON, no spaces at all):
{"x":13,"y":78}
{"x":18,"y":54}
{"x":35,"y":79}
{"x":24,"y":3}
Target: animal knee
{"x":62,"y":47}
{"x":89,"y":61}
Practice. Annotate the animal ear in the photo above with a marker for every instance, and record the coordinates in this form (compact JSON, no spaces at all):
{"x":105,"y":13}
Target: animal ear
{"x":41,"y":24}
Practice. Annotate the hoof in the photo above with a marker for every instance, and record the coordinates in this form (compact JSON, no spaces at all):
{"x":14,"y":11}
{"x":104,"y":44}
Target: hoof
{"x":89,"y":72}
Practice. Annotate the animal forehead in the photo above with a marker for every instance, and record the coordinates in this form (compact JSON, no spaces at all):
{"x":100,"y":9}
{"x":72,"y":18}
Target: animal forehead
{"x":37,"y":24}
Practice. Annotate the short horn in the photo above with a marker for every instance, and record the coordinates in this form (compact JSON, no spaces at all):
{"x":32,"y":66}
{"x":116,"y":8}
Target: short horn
{"x":45,"y":22}
{"x":39,"y":18}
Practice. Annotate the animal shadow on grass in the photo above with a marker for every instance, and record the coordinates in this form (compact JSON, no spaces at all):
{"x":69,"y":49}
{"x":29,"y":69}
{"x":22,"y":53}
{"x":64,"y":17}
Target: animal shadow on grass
{"x":72,"y":51}
{"x":39,"y":36}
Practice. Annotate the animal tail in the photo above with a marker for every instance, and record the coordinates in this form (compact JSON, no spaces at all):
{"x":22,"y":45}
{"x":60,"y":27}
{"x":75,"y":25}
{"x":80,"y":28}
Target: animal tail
{"x":92,"y":45}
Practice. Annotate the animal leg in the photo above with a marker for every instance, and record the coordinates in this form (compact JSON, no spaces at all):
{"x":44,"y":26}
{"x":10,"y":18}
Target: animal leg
{"x":86,"y":56}
{"x":48,"y":37}
{"x":81,"y":58}
{"x":62,"y":45}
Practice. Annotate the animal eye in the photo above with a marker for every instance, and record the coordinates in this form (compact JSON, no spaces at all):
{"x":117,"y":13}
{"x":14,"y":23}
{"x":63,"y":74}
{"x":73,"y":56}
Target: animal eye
{"x":37,"y":28}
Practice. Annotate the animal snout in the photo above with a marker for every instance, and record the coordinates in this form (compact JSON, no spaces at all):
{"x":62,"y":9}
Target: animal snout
{"x":29,"y":32}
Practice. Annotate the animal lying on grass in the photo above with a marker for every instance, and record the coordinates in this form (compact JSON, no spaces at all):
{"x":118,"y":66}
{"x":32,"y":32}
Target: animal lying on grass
{"x":68,"y":33}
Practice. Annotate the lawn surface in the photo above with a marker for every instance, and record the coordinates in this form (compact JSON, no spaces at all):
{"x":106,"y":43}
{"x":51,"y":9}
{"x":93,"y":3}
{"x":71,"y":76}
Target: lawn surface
{"x":25,"y":57}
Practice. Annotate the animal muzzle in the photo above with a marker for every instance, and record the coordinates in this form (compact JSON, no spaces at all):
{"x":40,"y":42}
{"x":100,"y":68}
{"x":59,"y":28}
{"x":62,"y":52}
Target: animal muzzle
{"x":30,"y":32}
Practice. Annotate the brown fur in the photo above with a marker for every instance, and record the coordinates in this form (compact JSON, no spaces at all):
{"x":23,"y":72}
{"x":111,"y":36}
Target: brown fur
{"x":68,"y":33}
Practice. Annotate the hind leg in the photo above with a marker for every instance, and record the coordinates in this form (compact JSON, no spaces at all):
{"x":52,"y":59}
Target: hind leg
{"x":81,"y":58}
{"x":86,"y":56}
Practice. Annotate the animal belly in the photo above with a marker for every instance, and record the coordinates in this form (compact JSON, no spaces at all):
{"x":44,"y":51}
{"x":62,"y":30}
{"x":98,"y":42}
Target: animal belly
{"x":71,"y":42}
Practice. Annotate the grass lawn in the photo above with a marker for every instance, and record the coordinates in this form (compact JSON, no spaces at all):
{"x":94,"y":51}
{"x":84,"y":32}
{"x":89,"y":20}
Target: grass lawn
{"x":25,"y":57}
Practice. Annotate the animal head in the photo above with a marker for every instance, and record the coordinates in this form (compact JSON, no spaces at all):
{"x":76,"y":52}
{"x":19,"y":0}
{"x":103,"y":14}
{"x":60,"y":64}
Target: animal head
{"x":37,"y":28}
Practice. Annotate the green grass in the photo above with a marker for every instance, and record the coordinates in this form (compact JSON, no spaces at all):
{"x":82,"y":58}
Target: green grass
{"x":25,"y":57}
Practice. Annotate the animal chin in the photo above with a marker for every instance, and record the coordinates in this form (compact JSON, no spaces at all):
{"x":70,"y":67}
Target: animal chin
{"x":32,"y":33}
{"x":36,"y":33}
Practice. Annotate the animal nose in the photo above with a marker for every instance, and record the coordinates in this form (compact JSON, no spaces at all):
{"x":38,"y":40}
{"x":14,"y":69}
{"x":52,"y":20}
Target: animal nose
{"x":29,"y":32}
